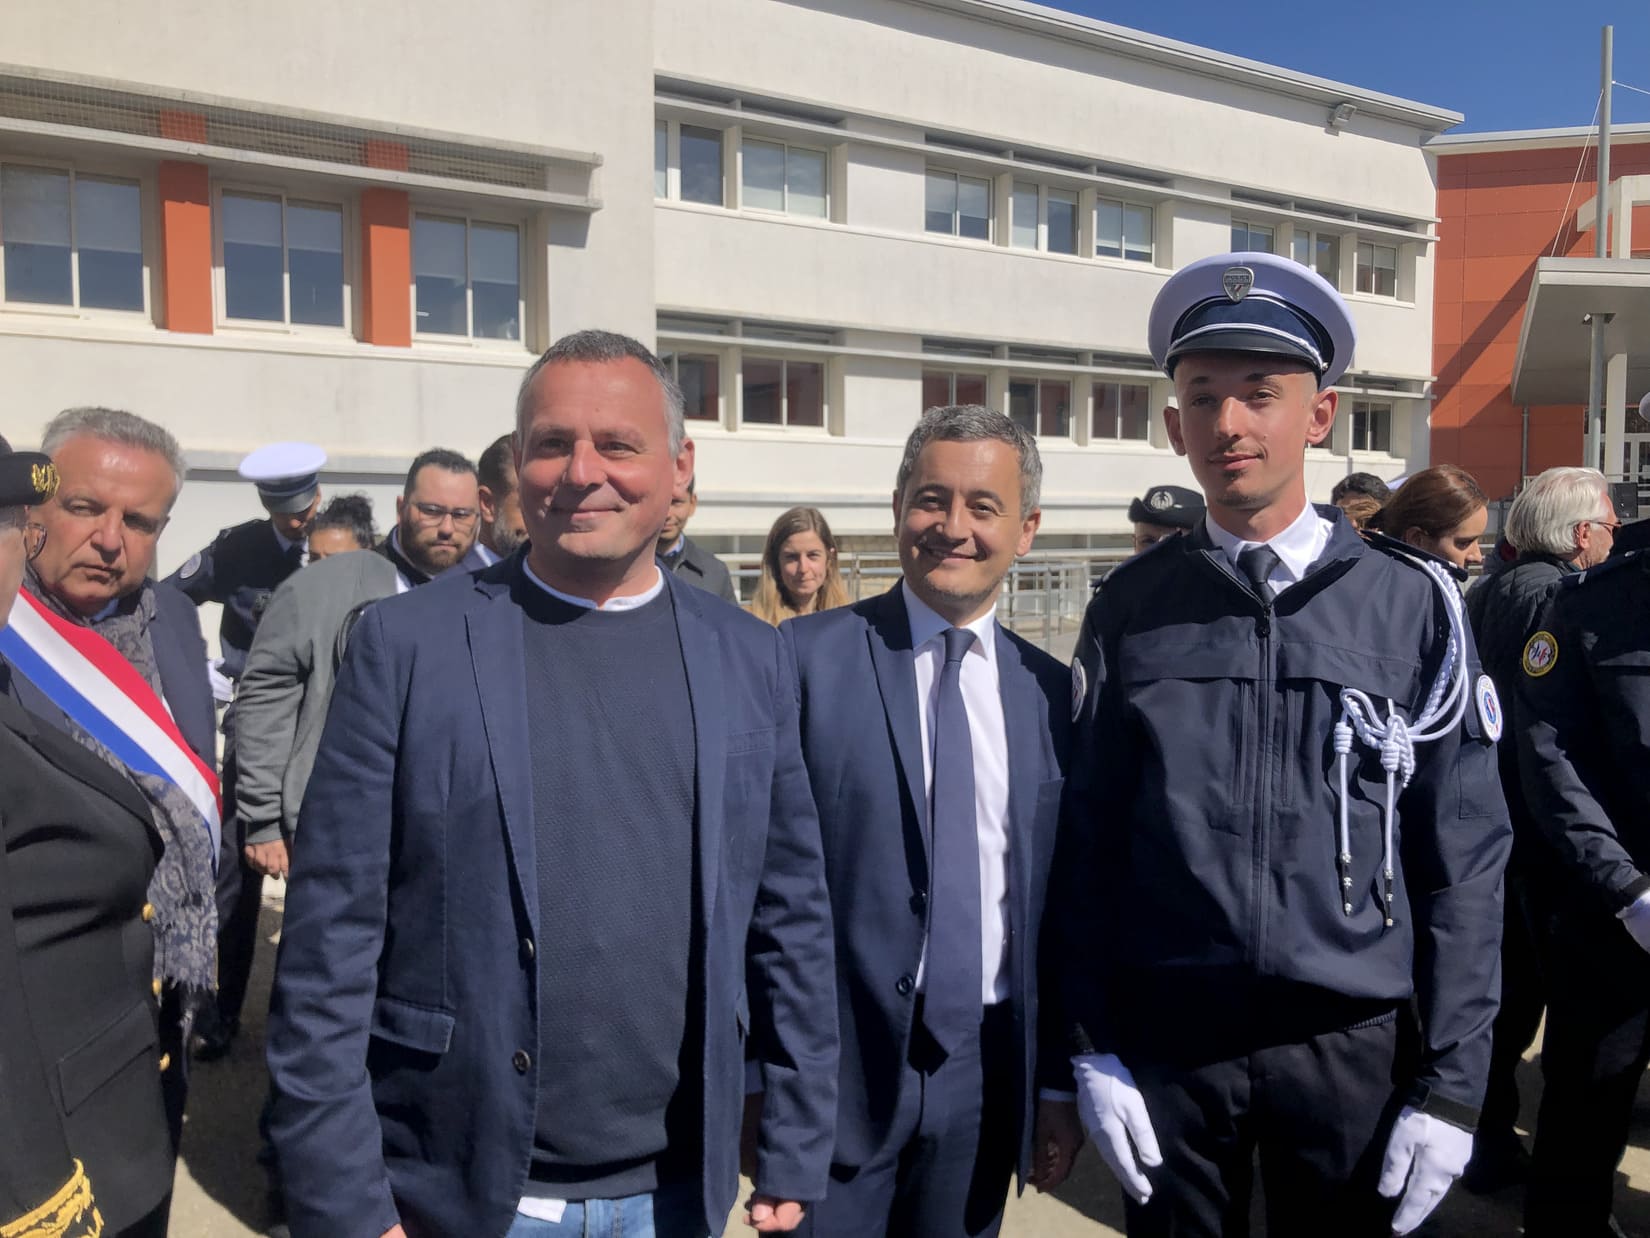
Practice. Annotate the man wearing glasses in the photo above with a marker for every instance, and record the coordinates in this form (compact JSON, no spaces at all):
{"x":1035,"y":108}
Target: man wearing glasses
{"x":436,"y":517}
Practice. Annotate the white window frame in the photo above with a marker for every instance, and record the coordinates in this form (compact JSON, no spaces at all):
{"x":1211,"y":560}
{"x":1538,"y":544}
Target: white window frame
{"x":745,"y":138}
{"x":784,"y":425}
{"x":661,"y":194}
{"x":672,"y":354}
{"x":957,"y":177}
{"x":220,"y":278}
{"x":1250,"y":224}
{"x":1124,"y":204}
{"x":1120,"y":383}
{"x":470,"y":339}
{"x":673,"y":164}
{"x":951,"y":376}
{"x":1397,"y":252}
{"x":1362,"y":407}
{"x":145,"y":242}
{"x":1313,"y":235}
{"x":1037,"y":381}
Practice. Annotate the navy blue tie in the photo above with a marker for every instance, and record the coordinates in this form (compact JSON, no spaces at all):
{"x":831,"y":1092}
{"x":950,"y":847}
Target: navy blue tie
{"x":951,"y":1003}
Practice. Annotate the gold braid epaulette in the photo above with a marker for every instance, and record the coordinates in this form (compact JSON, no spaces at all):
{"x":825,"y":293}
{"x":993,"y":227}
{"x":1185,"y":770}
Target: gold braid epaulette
{"x":71,"y":1213}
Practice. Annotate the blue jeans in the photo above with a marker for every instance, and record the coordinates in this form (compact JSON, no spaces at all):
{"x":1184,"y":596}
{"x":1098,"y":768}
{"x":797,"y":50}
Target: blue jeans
{"x":670,"y":1212}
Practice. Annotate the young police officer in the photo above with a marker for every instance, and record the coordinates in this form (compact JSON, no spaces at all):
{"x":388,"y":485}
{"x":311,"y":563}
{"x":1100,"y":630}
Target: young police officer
{"x":1289,"y":822}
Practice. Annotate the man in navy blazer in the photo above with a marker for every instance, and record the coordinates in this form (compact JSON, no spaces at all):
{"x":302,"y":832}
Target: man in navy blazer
{"x":559,"y":816}
{"x":935,"y":741}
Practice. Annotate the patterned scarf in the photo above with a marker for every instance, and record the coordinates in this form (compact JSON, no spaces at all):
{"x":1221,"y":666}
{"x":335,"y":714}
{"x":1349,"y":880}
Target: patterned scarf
{"x":183,"y":889}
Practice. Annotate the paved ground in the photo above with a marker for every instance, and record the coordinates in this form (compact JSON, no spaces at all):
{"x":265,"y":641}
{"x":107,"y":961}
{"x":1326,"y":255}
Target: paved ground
{"x":220,"y":1191}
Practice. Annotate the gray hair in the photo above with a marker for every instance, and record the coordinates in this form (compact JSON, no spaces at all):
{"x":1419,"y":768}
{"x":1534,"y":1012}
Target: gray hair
{"x":972,"y":423}
{"x":600,"y":346}
{"x":1544,"y":516}
{"x":114,"y":426}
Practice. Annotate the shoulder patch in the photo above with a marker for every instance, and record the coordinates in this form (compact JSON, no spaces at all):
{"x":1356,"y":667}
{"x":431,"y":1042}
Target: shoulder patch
{"x":190,"y":567}
{"x":1540,"y":654}
{"x":1079,"y":688}
{"x":1489,"y":708}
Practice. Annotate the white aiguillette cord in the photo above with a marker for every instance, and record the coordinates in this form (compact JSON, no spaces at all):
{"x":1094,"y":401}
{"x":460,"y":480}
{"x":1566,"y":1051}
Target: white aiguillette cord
{"x":1395,"y":739}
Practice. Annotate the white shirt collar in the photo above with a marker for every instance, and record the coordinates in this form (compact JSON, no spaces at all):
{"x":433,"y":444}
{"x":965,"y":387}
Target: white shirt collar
{"x":1297,"y":547}
{"x":928,"y":624}
{"x":282,"y":540}
{"x":681,"y":543}
{"x":630,"y":602}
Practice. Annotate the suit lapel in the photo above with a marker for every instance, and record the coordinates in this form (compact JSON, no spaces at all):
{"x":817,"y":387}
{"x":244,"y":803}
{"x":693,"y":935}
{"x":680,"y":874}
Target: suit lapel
{"x":497,"y":654}
{"x":895,"y":663}
{"x":702,"y":658}
{"x":174,"y":659}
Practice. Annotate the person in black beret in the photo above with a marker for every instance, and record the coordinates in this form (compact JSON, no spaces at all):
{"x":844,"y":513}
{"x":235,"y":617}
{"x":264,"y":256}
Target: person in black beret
{"x":1163,"y":512}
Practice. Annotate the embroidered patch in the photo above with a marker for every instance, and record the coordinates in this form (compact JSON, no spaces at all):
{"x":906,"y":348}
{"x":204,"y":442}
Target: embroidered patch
{"x":191,"y":567}
{"x":1489,"y":708}
{"x":1160,"y":501}
{"x":1079,"y":688}
{"x":1540,"y":654}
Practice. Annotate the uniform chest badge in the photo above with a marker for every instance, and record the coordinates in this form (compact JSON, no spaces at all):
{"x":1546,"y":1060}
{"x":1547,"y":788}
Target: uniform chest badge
{"x":1489,"y":708}
{"x":1237,"y":281}
{"x":1540,"y":654}
{"x":191,"y":567}
{"x":1079,"y":688}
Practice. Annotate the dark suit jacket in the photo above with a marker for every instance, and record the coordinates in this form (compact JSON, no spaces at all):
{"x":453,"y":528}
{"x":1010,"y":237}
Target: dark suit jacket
{"x":404,"y":1033}
{"x":861,"y":739}
{"x":698,"y":566}
{"x":80,"y":847}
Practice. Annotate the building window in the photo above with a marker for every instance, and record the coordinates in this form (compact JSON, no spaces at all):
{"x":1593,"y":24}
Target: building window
{"x":71,"y":240}
{"x":1062,"y":222}
{"x":1251,"y":237}
{"x":1378,"y":269}
{"x":1319,"y":250}
{"x":466,"y":278}
{"x":282,"y":261}
{"x":699,"y":375}
{"x":782,"y":392}
{"x":1123,"y":230}
{"x":661,"y":159}
{"x":1371,"y":426}
{"x":700,"y":153}
{"x":1023,"y":208}
{"x":777,"y":177}
{"x":1122,"y":412}
{"x":942,"y":387}
{"x":958,"y":205}
{"x":1041,"y":406}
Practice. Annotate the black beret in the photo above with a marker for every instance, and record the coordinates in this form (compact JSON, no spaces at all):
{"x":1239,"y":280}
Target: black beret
{"x":1174,"y":507}
{"x":26,"y":477}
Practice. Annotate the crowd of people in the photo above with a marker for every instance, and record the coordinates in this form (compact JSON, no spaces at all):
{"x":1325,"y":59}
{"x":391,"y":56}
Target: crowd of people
{"x":602,"y":888}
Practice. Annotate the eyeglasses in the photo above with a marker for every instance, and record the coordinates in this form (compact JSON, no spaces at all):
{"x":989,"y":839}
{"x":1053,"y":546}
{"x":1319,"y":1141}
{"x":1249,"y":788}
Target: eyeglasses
{"x":434,"y":513}
{"x":1612,"y":525}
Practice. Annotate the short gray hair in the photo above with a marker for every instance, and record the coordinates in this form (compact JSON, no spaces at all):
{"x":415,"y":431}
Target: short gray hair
{"x":972,"y":423}
{"x":1544,"y":516}
{"x":600,"y":346}
{"x":114,"y":426}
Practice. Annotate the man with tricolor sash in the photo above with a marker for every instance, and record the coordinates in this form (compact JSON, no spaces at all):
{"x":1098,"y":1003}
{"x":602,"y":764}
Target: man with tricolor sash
{"x":107,"y":656}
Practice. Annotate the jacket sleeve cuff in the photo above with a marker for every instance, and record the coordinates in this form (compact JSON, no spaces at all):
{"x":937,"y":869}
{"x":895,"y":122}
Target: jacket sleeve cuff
{"x":1630,"y":893}
{"x":1423,"y":1099}
{"x":270,"y":833}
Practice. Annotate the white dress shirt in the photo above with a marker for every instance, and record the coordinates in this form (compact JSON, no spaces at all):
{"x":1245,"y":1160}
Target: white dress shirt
{"x":1298,"y":547}
{"x":287,"y":543}
{"x":989,"y":741}
{"x":618,"y":603}
{"x":485,"y":553}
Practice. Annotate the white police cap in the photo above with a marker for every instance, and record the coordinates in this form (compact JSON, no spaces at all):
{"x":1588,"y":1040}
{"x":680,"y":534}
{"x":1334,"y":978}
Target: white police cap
{"x":1252,"y":302}
{"x":286,"y":474}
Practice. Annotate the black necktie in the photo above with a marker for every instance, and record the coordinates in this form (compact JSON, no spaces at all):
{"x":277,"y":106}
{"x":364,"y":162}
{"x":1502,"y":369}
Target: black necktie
{"x":951,"y":1004}
{"x":1256,"y":566}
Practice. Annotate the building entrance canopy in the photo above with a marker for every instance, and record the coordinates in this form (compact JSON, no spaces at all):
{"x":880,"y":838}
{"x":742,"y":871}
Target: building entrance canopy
{"x":1555,"y":344}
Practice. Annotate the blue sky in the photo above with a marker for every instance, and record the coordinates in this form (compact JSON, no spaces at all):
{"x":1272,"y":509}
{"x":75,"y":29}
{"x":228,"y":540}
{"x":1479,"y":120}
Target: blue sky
{"x":1516,"y":64}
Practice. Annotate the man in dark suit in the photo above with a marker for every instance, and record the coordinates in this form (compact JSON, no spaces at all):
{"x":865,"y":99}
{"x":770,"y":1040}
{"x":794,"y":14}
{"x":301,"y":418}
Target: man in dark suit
{"x":512,"y":992}
{"x":939,"y":828}
{"x":119,"y":477}
{"x":684,"y":556}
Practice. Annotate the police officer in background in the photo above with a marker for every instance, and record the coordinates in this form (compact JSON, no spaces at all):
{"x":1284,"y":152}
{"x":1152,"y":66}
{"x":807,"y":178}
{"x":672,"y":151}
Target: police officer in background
{"x":1256,"y":896}
{"x":240,"y":570}
{"x":1583,"y":722}
{"x":1162,"y":512}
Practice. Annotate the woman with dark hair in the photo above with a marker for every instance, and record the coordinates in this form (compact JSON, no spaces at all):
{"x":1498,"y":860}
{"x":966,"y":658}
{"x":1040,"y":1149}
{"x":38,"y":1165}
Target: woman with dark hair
{"x":1439,"y":510}
{"x":799,"y":568}
{"x":343,"y":525}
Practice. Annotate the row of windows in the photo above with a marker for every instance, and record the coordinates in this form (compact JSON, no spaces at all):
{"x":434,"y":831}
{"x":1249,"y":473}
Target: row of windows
{"x":1376,"y":271}
{"x":74,"y":240}
{"x":773,"y":176}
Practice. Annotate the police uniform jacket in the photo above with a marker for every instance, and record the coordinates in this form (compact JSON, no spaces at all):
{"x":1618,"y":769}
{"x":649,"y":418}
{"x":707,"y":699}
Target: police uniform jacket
{"x":1205,"y":902}
{"x":80,"y":847}
{"x":241,"y":569}
{"x":1583,"y":721}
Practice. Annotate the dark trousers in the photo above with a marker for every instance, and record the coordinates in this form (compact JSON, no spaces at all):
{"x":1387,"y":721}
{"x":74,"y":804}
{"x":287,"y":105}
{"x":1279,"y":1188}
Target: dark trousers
{"x":1523,"y":997}
{"x":945,"y":1170}
{"x":1317,"y":1111}
{"x":1593,"y":1055}
{"x":239,"y":890}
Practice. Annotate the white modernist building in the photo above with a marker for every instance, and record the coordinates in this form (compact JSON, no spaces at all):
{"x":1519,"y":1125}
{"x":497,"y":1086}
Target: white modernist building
{"x":357,"y":224}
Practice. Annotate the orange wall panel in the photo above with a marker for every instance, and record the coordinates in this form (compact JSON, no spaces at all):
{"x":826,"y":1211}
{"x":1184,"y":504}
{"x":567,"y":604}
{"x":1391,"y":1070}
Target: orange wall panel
{"x":386,"y":268}
{"x":186,"y":246}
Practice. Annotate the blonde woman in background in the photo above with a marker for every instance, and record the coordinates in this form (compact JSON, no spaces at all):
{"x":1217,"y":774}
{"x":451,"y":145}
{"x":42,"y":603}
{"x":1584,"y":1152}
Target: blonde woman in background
{"x":799,"y":568}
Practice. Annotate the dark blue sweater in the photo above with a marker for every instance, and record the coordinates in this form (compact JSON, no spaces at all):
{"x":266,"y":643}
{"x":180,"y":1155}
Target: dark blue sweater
{"x":613,"y":805}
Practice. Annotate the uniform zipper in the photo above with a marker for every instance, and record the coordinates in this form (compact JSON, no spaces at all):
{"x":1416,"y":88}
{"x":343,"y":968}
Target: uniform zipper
{"x":1263,"y":786}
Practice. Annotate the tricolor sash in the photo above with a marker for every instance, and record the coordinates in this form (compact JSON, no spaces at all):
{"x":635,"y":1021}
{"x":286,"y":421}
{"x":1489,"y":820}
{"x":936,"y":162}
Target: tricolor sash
{"x":86,"y":677}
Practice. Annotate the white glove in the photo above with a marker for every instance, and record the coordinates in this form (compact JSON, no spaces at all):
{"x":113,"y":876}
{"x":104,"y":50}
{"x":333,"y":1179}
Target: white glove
{"x":1113,"y":1113}
{"x":1636,"y":916}
{"x":1429,"y":1152}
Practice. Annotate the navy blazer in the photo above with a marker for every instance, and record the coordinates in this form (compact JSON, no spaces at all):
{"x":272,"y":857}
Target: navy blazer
{"x":861,"y":739}
{"x":403,"y":1035}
